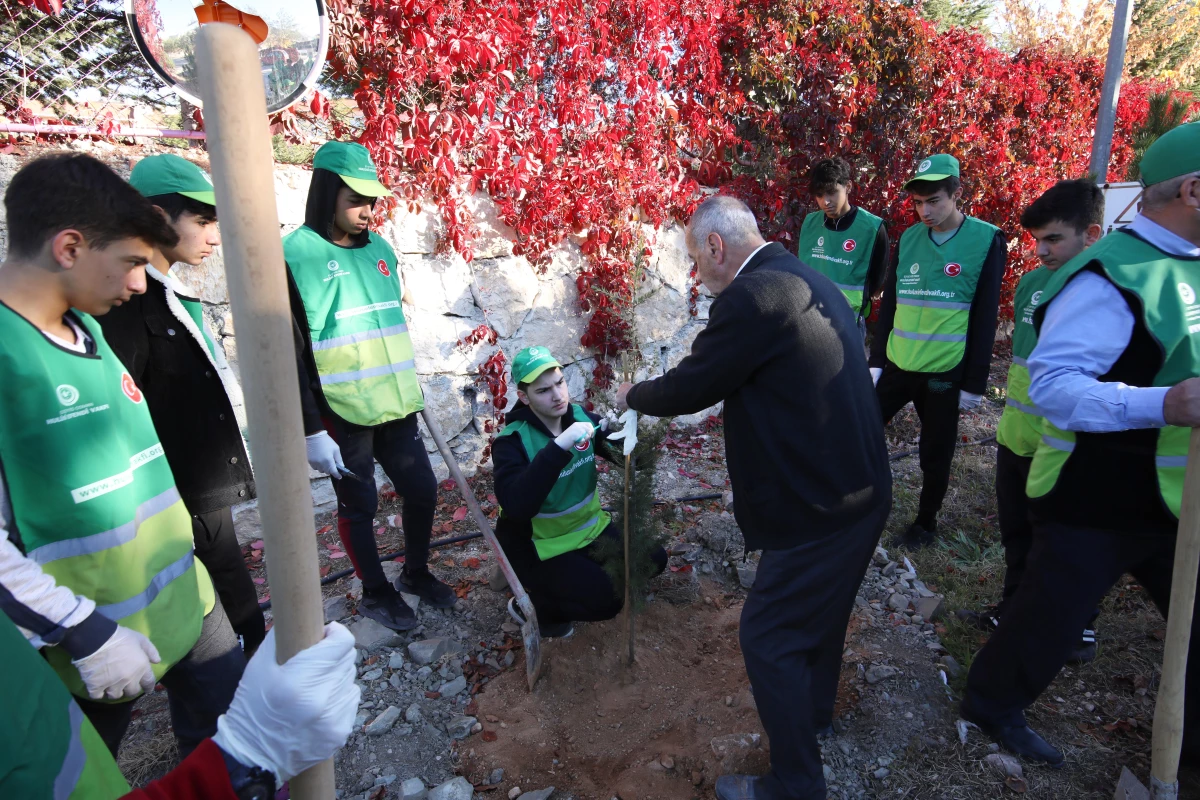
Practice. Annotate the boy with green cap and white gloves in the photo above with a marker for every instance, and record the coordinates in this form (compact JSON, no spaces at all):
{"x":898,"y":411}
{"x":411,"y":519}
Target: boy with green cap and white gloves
{"x":937,"y":323}
{"x":194,"y":397}
{"x":358,"y":383}
{"x":550,"y":516}
{"x":1116,"y":376}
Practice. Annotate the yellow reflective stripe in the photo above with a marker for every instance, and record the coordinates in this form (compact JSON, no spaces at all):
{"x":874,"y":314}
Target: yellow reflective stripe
{"x":362,"y":336}
{"x":106,"y":540}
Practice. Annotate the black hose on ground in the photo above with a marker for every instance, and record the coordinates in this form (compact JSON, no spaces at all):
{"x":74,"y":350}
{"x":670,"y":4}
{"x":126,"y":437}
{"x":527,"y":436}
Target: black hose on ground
{"x":914,"y":451}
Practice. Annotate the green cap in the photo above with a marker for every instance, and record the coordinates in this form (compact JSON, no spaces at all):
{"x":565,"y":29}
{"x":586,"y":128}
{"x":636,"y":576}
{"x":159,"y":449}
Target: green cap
{"x":935,"y":168}
{"x":353,"y":163}
{"x":168,"y":174}
{"x":531,"y":362}
{"x":1175,"y":153}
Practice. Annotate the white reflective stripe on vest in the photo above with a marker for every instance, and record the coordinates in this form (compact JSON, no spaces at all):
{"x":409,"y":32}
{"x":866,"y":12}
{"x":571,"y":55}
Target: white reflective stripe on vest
{"x":570,"y":510}
{"x":929,"y":337}
{"x":585,"y":525}
{"x":362,"y":374}
{"x":143,"y":599}
{"x":847,"y":288}
{"x":1058,"y":444}
{"x":1170,"y":461}
{"x":76,"y":758}
{"x":1022,"y":407}
{"x":1020,"y":362}
{"x":105,"y":540}
{"x":904,"y":301}
{"x":362,"y":336}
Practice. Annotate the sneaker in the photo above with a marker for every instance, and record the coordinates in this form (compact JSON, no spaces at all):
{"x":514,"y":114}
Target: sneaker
{"x":557,"y":630}
{"x":915,"y":537}
{"x":1085,"y":652}
{"x":388,"y":608}
{"x":428,"y":588}
{"x":986,"y":620}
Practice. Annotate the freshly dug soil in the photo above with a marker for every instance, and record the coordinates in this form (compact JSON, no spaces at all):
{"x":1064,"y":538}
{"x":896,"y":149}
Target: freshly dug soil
{"x":601,"y":729}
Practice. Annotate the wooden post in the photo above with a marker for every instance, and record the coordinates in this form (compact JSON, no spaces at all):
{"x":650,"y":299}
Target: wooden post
{"x":1168,"y":709}
{"x":239,"y":145}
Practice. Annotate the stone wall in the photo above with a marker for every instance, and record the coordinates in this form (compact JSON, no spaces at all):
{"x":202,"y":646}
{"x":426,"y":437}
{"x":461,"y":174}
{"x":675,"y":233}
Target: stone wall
{"x":451,"y":297}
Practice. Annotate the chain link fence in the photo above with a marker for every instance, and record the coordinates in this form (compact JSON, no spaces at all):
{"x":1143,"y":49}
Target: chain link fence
{"x":78,"y":67}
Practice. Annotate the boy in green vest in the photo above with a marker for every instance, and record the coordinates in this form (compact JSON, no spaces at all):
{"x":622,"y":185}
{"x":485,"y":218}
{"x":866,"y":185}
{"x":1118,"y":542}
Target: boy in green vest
{"x":844,"y":242}
{"x":358,"y":381}
{"x":96,"y":560}
{"x":1063,"y":222}
{"x":1115,"y":377}
{"x":550,"y":515}
{"x":937,"y":323}
{"x":193,"y":394}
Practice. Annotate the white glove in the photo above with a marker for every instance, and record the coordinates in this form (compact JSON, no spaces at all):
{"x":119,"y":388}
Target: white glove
{"x":288,"y":717}
{"x":121,"y":667}
{"x":875,"y":373}
{"x":629,"y":432}
{"x":967,"y":401}
{"x":578,"y":432}
{"x":324,"y":455}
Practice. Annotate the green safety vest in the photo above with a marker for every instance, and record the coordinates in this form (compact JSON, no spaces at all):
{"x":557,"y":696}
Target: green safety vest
{"x":1020,"y":427}
{"x":1171,"y":314}
{"x":196,"y":311}
{"x":935,"y":284}
{"x":842,"y":256}
{"x":571,"y":515}
{"x":93,"y":498}
{"x":48,"y":749}
{"x":356,"y":325}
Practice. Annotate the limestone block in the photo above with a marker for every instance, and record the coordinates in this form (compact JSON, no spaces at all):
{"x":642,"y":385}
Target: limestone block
{"x":446,"y":397}
{"x":493,"y":238}
{"x":413,"y":232}
{"x":435,"y":340}
{"x":661,"y":311}
{"x":439,"y":284}
{"x":670,"y":261}
{"x":554,"y":321}
{"x":505,"y":289}
{"x":291,"y":193}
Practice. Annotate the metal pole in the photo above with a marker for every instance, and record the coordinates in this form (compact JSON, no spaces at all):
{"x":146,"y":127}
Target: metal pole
{"x":1107,"y":117}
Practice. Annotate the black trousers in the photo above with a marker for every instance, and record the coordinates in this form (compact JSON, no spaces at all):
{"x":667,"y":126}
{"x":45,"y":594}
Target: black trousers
{"x":936,"y":402}
{"x":218,"y":550}
{"x":793,"y":632}
{"x":572,"y":587}
{"x":1012,"y":510}
{"x":398,"y":447}
{"x":199,"y":689}
{"x":1069,"y":570}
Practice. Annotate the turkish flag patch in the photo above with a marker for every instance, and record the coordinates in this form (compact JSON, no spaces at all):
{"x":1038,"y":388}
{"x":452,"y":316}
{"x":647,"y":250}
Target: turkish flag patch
{"x":953,"y":270}
{"x":130,"y":388}
{"x":849,"y":245}
{"x":383,"y":269}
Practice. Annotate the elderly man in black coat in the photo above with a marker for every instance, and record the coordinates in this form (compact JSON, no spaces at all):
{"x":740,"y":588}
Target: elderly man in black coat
{"x":809,"y":468}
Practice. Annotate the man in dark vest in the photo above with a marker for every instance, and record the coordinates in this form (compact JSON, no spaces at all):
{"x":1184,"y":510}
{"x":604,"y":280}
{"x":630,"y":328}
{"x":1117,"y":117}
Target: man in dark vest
{"x":1114,"y":374}
{"x":194,"y":398}
{"x":937,"y":323}
{"x":551,"y":523}
{"x":808,"y":465}
{"x":844,"y":242}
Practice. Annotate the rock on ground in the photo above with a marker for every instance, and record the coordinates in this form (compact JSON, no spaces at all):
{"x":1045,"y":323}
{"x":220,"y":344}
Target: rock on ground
{"x":458,"y":789}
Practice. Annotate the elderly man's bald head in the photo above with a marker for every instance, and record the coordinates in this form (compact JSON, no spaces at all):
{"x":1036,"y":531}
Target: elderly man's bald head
{"x":721,"y":235}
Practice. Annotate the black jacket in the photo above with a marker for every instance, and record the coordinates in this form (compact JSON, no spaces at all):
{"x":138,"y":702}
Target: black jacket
{"x":803,"y":435}
{"x":188,"y":394}
{"x":972,"y":372}
{"x":522,"y":485}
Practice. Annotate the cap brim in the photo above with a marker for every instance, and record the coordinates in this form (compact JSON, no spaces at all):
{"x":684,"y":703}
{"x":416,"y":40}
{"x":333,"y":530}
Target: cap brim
{"x":934,"y":177}
{"x":367,"y":188}
{"x":533,"y":374}
{"x":209,"y":198}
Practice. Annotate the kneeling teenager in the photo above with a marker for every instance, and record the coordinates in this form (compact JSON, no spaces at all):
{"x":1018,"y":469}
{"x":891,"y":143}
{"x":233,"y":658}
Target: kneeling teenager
{"x":550,"y":515}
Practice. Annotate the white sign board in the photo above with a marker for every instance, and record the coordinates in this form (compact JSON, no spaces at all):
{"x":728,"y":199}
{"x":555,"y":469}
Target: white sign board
{"x":1121,"y":203}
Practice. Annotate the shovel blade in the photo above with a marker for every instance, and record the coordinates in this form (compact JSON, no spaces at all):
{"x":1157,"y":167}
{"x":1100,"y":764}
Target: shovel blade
{"x":532,"y":638}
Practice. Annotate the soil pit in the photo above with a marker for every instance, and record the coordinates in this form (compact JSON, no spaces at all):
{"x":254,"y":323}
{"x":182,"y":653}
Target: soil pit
{"x":599,"y":729}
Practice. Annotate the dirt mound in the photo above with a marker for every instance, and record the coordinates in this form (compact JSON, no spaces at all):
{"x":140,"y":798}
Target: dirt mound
{"x":601,"y":729}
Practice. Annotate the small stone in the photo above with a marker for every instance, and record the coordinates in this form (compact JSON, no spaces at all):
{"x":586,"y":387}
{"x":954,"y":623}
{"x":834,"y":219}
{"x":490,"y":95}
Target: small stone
{"x":385,"y":780}
{"x":460,"y":727}
{"x":951,"y":665}
{"x":411,"y":600}
{"x":396,"y":682}
{"x":877,"y":673}
{"x":455,"y":686}
{"x":897,"y":602}
{"x":360,"y":719}
{"x":336,"y":608}
{"x":881,"y":773}
{"x":477,"y":727}
{"x":496,"y":776}
{"x":427,"y":651}
{"x":1130,"y":788}
{"x":929,"y":607}
{"x":746,"y":574}
{"x":541,"y":794}
{"x":667,"y":762}
{"x":509,"y":658}
{"x":396,"y":660}
{"x":372,"y":675}
{"x":496,"y":580}
{"x":514,"y":793}
{"x":828,"y":770}
{"x":423,"y":673}
{"x":458,"y":789}
{"x":413,"y":789}
{"x":384,"y":722}
{"x":889,"y":569}
{"x":412,"y":714}
{"x":370,"y":635}
{"x":697,"y":778}
{"x":729,"y":700}
{"x":510,"y":628}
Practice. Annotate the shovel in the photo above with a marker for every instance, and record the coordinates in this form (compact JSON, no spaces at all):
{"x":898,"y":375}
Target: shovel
{"x":530,"y":634}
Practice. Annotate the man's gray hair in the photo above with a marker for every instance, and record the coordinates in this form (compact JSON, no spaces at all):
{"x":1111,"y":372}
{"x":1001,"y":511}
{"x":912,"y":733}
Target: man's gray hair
{"x":726,"y":216}
{"x":1160,"y":195}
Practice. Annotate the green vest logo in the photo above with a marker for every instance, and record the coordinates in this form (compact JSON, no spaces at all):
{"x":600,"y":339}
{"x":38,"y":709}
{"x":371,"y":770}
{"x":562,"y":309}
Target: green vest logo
{"x":333,"y":266}
{"x":1037,"y":298}
{"x":1187,"y":294}
{"x":820,"y":241}
{"x":914,"y":269}
{"x":68,"y":395}
{"x":925,"y":165}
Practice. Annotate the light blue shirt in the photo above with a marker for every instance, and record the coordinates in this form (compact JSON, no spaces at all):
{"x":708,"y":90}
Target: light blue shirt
{"x":1084,"y":332}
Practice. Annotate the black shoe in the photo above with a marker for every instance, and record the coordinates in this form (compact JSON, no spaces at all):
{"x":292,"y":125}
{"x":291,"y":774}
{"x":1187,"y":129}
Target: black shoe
{"x":388,"y":608}
{"x":1085,"y":653}
{"x":428,"y":588}
{"x":986,"y":620}
{"x":915,"y":537}
{"x":736,"y":787}
{"x":1022,"y":741}
{"x":557,"y":630}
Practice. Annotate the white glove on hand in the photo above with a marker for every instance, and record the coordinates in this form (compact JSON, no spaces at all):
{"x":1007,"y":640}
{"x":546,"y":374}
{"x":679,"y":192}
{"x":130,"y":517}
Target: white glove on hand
{"x":120,"y":668}
{"x":324,"y":455}
{"x":968,"y":401}
{"x":288,"y":717}
{"x":578,"y":432}
{"x":875,"y":373}
{"x":629,"y":432}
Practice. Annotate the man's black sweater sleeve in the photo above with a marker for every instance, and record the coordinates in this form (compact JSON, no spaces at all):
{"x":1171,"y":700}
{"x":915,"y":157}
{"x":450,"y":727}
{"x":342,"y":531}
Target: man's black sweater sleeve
{"x":985,"y":308}
{"x":887,"y":315}
{"x":521,"y":485}
{"x":124,"y":328}
{"x":876,"y":270}
{"x":310,"y":410}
